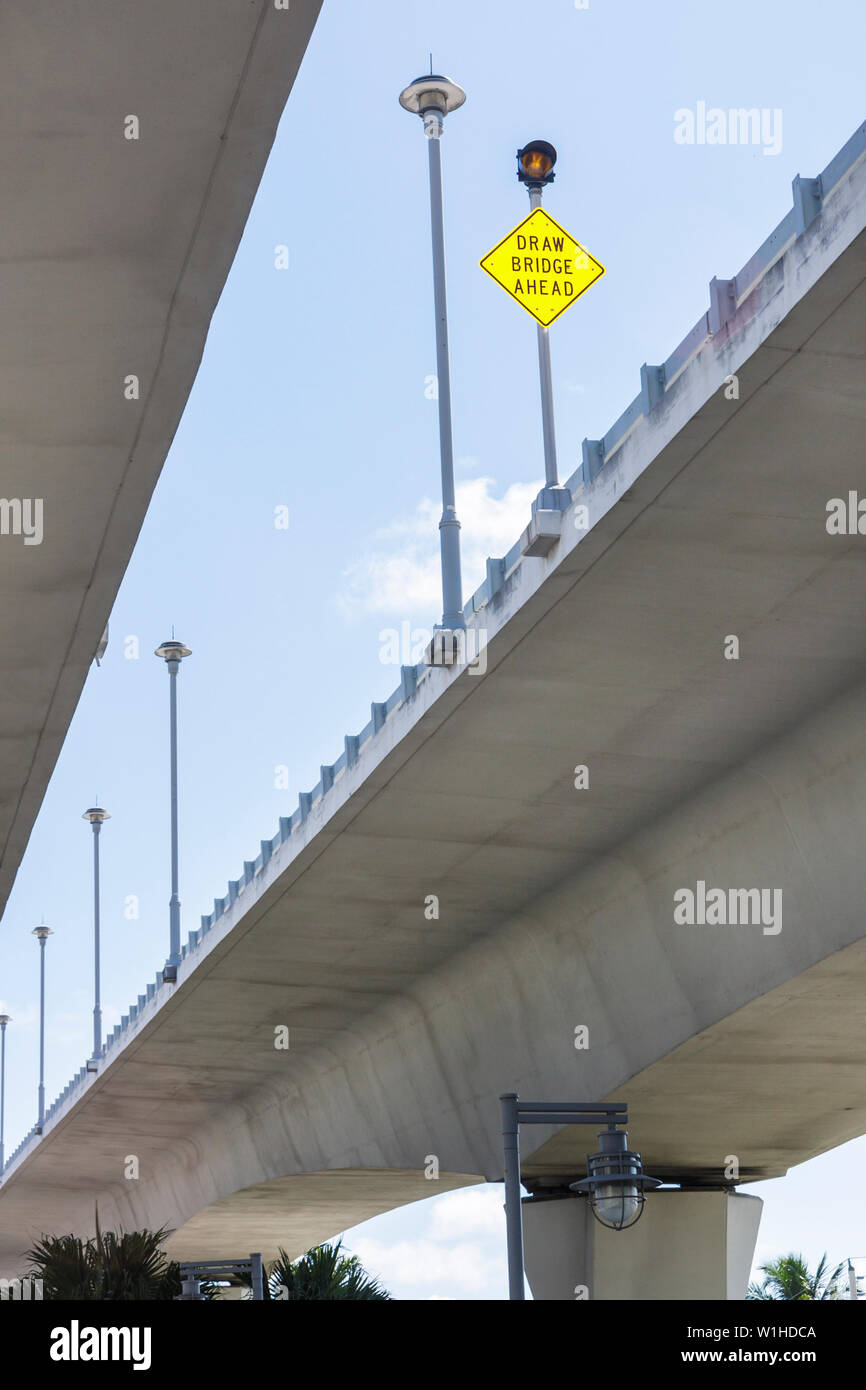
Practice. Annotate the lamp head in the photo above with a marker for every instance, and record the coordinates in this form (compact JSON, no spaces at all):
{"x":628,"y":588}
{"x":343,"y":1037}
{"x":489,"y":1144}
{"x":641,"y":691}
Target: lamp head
{"x":535,"y":163}
{"x":4,"y":1019}
{"x":615,"y":1183}
{"x":173,"y":651}
{"x":432,"y":92}
{"x":95,"y":815}
{"x":42,"y":932}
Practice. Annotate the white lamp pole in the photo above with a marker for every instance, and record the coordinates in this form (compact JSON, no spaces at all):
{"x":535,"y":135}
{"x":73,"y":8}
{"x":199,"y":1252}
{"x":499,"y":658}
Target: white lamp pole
{"x":432,"y":97}
{"x":42,"y":934}
{"x":173,"y":653}
{"x":96,"y":815}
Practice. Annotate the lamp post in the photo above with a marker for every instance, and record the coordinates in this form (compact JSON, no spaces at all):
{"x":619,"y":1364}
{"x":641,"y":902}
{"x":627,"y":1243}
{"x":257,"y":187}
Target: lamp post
{"x":535,"y":169}
{"x":853,"y":1277}
{"x":432,"y":97}
{"x":4,"y":1019}
{"x":42,"y":934}
{"x":173,"y":653}
{"x":615,"y":1181}
{"x":96,"y":815}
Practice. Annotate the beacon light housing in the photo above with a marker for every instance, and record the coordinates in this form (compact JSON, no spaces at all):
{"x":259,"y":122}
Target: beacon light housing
{"x":615,"y":1183}
{"x":535,"y":163}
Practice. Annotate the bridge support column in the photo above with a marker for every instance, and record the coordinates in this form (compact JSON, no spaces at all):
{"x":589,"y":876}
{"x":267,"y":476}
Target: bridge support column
{"x":686,"y":1245}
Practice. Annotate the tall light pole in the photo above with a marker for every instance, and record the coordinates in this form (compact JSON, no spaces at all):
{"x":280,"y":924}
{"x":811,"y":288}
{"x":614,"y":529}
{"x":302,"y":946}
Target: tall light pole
{"x":535,"y":169}
{"x":431,"y":97}
{"x":96,"y":815}
{"x":42,"y":933}
{"x":173,"y":653}
{"x":4,"y":1019}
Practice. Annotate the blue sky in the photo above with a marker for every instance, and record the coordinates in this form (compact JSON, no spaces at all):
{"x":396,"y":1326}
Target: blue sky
{"x":312,"y":395}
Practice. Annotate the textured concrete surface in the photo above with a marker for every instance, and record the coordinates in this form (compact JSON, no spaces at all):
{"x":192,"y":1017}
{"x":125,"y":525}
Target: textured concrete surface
{"x":556,"y":906}
{"x":687,"y":1246}
{"x":113,"y":253}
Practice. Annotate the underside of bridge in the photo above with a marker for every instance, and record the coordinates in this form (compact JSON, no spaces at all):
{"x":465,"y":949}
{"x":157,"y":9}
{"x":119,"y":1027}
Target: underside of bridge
{"x":134,"y":139}
{"x":554,"y":921}
{"x":285,"y":1211}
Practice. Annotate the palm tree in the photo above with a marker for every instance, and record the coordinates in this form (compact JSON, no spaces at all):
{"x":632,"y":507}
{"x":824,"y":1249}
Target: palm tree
{"x":124,"y":1267}
{"x":64,"y":1265}
{"x":324,"y":1273}
{"x":789,"y":1278}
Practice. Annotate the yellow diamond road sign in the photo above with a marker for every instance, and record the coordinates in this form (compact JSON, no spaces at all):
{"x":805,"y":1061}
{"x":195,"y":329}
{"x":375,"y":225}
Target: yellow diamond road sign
{"x":542,"y":267}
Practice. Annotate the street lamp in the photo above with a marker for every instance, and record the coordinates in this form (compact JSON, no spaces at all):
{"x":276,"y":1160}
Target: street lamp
{"x":96,"y":816}
{"x":173,"y":653}
{"x":615,"y":1183}
{"x":535,"y":170}
{"x":432,"y":97}
{"x":4,"y":1019}
{"x":42,"y":934}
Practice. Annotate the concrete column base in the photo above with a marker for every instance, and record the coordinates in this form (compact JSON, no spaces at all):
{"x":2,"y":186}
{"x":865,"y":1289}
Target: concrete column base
{"x":686,"y":1245}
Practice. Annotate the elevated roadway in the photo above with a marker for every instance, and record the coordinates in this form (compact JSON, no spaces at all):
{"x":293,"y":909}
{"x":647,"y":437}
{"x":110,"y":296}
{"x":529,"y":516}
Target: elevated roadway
{"x":134,"y":138}
{"x":446,"y":909}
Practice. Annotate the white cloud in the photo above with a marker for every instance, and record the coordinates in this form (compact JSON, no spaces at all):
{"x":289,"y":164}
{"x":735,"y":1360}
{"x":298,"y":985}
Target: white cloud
{"x":468,"y":1212}
{"x":457,"y":1252}
{"x":458,"y":1269}
{"x":399,"y":573}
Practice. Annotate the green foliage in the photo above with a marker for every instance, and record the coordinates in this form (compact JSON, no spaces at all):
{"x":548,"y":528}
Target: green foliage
{"x":324,"y":1273}
{"x":789,"y":1279}
{"x":125,"y":1267}
{"x":64,"y":1265}
{"x":132,"y":1267}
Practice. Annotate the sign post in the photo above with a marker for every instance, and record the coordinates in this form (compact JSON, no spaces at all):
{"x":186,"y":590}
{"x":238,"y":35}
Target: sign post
{"x":551,"y":474}
{"x":545,"y":270}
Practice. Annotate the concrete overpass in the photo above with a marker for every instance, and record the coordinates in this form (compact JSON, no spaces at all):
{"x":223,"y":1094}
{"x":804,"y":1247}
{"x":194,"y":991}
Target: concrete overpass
{"x":115,"y":243}
{"x":706,"y":510}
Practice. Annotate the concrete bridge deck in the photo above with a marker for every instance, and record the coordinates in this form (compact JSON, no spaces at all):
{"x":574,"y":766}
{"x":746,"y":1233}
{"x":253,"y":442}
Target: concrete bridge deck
{"x":113,"y":254}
